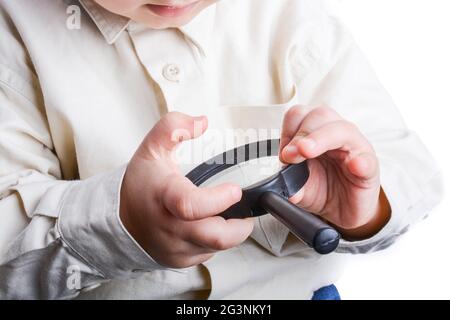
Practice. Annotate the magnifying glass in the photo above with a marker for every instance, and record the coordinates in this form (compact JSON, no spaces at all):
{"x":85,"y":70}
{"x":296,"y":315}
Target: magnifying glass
{"x":267,"y":186}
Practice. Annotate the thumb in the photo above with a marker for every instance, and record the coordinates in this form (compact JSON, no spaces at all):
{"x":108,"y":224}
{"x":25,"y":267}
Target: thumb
{"x":170,"y":131}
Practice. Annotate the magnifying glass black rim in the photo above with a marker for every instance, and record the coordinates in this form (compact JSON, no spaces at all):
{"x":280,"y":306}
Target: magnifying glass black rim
{"x":286,"y":183}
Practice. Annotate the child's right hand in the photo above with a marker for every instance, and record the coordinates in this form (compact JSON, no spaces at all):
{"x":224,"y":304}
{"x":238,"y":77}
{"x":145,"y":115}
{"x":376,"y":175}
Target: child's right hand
{"x":172,"y":219}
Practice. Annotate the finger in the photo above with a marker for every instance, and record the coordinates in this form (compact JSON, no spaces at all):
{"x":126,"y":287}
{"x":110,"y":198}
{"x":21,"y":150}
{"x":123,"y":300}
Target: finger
{"x":171,"y":130}
{"x":219,"y":234}
{"x":364,"y":166}
{"x":339,"y":135}
{"x":313,"y":120}
{"x":291,"y":123}
{"x":189,"y":202}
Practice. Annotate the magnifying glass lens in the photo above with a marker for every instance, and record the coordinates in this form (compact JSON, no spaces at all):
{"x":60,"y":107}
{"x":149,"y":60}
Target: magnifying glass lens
{"x":247,"y":173}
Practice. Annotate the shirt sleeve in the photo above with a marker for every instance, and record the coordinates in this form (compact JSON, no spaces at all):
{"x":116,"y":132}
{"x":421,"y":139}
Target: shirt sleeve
{"x":56,"y":237}
{"x":329,"y":69}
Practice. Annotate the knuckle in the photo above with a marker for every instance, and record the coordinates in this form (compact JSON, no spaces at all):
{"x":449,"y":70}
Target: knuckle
{"x":183,"y":206}
{"x":350,"y":126}
{"x":220,"y":244}
{"x":296,"y":111}
{"x":172,"y":120}
{"x":165,"y":191}
{"x":324,"y":112}
{"x":172,"y":116}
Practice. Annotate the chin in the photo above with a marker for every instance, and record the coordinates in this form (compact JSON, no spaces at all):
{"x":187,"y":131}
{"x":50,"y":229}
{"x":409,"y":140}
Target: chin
{"x":172,"y":23}
{"x":157,"y":22}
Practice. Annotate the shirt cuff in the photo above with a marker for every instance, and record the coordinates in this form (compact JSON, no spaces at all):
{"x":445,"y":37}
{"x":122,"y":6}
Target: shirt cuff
{"x":89,"y":224}
{"x":404,"y":199}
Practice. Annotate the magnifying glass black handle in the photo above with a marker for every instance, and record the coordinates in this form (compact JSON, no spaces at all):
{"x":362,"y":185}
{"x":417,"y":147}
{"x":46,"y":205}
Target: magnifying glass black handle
{"x":307,"y":227}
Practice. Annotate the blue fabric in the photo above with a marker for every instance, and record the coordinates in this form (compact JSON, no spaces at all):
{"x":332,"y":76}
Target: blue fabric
{"x":327,"y":293}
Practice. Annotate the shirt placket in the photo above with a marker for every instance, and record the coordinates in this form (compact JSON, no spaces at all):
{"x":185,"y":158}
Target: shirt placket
{"x":171,"y":62}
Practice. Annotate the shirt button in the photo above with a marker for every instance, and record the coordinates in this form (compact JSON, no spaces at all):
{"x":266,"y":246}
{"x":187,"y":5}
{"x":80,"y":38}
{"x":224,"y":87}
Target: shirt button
{"x":172,"y":72}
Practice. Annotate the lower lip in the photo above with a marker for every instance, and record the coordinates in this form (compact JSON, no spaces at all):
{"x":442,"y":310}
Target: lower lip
{"x":169,"y":11}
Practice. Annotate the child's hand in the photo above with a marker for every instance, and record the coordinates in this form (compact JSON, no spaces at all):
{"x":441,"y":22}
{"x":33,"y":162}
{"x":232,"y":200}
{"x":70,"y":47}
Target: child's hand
{"x":344,"y":184}
{"x":172,"y":219}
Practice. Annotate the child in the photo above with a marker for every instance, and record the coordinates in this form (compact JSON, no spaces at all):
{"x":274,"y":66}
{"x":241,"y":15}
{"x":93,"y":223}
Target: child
{"x":93,"y":97}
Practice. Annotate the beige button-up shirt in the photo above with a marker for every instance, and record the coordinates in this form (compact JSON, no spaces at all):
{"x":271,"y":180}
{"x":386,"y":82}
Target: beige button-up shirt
{"x":77,"y":96}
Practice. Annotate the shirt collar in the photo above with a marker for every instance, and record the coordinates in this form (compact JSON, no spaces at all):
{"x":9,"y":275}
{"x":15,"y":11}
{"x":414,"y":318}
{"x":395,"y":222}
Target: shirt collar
{"x":111,"y":25}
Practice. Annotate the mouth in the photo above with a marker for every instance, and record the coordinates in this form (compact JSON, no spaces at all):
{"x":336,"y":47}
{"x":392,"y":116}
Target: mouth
{"x":171,"y":11}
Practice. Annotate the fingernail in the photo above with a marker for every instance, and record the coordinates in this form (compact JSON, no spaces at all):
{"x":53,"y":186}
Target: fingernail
{"x":236,"y":193}
{"x":308,"y":143}
{"x":290,"y":149}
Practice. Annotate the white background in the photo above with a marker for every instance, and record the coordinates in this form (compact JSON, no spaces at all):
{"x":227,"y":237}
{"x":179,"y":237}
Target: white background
{"x":408,"y":44}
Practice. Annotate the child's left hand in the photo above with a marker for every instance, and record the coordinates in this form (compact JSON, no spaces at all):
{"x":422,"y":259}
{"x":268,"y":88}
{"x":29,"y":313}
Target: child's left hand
{"x":344,"y":184}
